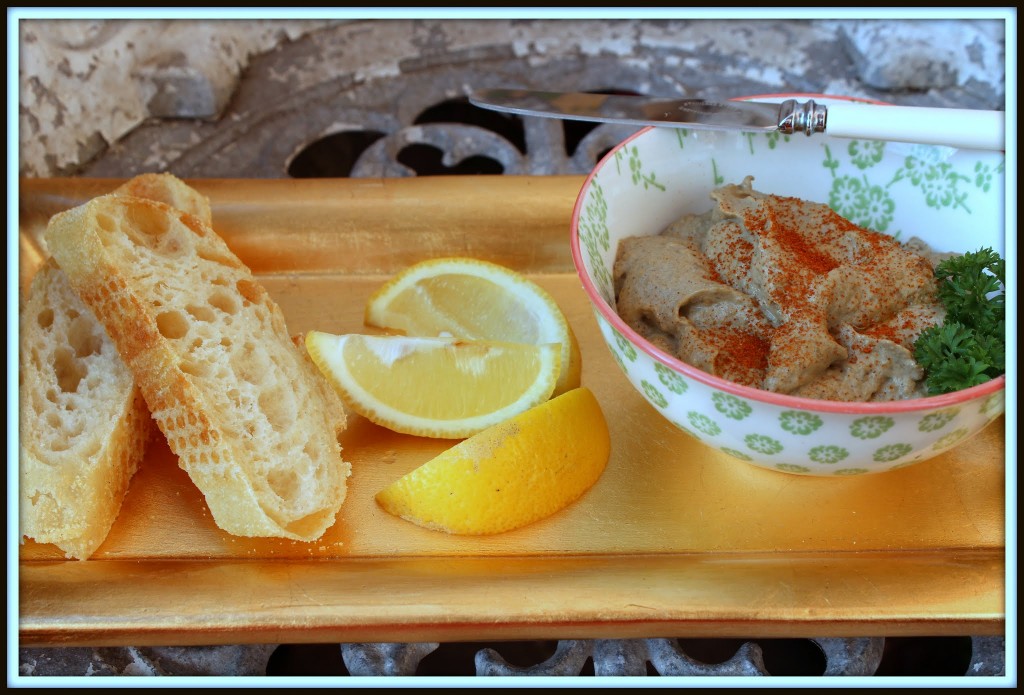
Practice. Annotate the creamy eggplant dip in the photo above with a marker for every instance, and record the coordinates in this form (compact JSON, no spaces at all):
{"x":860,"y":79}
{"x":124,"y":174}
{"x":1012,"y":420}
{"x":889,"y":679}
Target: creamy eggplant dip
{"x":785,"y":295}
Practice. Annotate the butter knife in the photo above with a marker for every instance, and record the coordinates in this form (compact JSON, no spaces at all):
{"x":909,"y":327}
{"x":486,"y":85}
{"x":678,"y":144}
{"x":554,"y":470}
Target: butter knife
{"x":961,"y":128}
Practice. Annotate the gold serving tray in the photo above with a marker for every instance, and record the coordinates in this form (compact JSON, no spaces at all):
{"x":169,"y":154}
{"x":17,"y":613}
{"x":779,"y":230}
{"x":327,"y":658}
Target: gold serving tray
{"x":675,"y":540}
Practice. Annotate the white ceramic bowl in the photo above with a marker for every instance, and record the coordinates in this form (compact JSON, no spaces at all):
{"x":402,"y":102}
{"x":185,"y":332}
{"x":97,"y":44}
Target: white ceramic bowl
{"x":952,"y":199}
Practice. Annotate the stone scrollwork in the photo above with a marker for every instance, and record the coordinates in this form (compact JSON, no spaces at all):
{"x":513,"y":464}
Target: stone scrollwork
{"x":842,"y":657}
{"x":455,"y":142}
{"x":545,"y":149}
{"x":230,"y":105}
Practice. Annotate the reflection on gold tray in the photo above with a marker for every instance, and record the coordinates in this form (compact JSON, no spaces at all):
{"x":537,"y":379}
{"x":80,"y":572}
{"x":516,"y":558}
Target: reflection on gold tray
{"x":674,"y":540}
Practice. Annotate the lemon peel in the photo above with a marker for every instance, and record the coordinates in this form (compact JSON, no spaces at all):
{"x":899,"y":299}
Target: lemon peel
{"x":511,"y":474}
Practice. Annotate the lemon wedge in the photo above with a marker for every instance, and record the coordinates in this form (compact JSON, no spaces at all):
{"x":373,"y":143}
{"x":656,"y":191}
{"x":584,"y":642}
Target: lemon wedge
{"x":435,"y":387}
{"x":475,"y":300}
{"x":509,"y":475}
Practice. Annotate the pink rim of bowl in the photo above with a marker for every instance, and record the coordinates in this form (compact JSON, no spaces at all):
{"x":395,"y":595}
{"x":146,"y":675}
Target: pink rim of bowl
{"x":777,"y":399}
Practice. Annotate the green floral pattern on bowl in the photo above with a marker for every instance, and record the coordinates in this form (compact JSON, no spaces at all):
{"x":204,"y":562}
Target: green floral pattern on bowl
{"x":950,"y":199}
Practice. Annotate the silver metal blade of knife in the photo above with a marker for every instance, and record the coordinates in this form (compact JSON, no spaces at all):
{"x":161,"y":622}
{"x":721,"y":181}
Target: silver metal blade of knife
{"x":636,"y":110}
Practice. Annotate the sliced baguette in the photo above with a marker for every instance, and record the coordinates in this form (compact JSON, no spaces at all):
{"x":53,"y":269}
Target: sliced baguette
{"x":239,"y":405}
{"x":83,"y":423}
{"x":167,"y":188}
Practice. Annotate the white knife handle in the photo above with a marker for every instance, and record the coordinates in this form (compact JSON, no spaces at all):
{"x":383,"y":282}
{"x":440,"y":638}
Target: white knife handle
{"x":963,"y":128}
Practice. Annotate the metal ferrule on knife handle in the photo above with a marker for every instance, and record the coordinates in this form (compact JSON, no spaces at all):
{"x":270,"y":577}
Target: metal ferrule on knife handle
{"x":807,"y":117}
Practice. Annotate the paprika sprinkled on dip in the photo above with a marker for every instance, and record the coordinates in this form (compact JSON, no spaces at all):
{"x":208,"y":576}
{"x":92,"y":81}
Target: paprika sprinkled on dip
{"x":783,"y":294}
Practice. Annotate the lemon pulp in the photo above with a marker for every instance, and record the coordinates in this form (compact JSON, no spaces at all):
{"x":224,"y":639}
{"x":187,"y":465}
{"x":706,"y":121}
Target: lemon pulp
{"x":475,"y":300}
{"x":435,"y":387}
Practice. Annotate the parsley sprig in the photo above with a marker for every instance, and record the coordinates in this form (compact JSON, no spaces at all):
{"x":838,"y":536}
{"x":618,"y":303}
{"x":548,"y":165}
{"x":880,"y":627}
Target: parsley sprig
{"x":969,"y":347}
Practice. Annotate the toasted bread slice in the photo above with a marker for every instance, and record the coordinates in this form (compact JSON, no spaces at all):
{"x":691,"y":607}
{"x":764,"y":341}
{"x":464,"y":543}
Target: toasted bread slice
{"x":83,"y":423}
{"x":210,"y":351}
{"x":167,"y":188}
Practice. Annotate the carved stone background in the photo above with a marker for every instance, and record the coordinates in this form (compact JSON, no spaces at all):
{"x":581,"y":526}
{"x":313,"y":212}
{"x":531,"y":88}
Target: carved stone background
{"x":229,"y":98}
{"x":371,"y":98}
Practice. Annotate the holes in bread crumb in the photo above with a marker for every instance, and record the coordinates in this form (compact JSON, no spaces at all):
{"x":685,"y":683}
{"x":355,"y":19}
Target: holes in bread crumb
{"x":248,"y":289}
{"x":202,"y":313}
{"x":217,"y":256}
{"x":72,"y":428}
{"x":69,"y":370}
{"x":105,"y":222}
{"x":171,"y":246}
{"x":278,"y":405}
{"x":194,"y":367}
{"x":149,"y":219}
{"x":172,"y":325}
{"x":284,"y":483}
{"x":45,"y":318}
{"x":83,"y":338}
{"x":248,"y":364}
{"x":225,"y":302}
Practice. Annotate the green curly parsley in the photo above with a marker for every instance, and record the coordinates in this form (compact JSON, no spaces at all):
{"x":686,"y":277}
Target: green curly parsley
{"x":969,"y":347}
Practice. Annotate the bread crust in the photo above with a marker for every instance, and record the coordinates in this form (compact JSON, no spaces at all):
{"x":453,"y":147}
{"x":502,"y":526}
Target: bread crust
{"x":169,"y":189}
{"x":243,"y":409}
